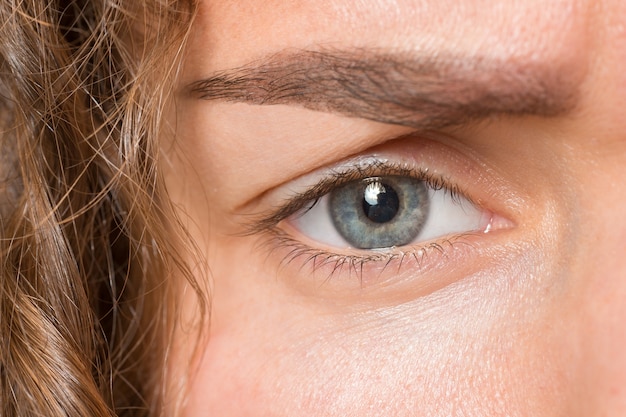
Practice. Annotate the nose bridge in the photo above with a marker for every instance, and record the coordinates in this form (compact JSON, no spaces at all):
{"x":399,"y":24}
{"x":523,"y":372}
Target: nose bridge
{"x":604,"y":365}
{"x":601,"y":340}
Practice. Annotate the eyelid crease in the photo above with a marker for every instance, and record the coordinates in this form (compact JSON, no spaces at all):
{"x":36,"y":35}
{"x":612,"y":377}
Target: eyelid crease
{"x":339,"y":176}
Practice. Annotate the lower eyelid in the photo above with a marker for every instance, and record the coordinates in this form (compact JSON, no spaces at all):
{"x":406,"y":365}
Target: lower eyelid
{"x":394,"y":274}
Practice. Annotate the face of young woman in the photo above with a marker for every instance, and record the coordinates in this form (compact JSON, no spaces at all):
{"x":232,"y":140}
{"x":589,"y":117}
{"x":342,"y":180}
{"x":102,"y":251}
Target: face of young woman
{"x":406,"y":207}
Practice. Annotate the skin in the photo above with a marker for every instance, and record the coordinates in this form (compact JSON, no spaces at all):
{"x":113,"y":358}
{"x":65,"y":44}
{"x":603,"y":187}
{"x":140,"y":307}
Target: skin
{"x":526,"y":320}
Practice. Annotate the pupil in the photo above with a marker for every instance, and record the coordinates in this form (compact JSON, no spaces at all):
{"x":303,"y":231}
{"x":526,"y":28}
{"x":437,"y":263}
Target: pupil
{"x":380,"y":202}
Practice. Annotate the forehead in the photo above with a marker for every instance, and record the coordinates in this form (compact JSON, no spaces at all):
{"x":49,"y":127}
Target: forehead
{"x":232,"y":33}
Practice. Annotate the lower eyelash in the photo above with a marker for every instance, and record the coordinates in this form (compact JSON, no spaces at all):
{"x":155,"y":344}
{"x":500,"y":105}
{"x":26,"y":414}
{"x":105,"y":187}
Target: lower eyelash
{"x":419,"y":257}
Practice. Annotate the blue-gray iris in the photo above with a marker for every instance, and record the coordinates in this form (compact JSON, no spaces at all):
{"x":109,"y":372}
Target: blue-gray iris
{"x":380,"y":212}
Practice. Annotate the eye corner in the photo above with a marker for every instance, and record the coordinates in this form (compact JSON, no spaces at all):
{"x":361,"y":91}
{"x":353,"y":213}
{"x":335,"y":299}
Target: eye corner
{"x":493,"y":222}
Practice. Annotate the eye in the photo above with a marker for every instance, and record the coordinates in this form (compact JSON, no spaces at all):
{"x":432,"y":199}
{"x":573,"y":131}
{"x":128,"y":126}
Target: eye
{"x":387,"y":211}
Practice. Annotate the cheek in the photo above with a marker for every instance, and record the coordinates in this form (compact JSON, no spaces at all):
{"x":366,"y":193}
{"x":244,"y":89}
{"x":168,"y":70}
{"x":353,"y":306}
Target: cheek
{"x":477,"y":347}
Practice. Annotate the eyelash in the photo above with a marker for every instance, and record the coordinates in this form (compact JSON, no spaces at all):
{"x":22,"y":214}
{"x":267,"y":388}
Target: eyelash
{"x":268,"y":224}
{"x":319,"y":258}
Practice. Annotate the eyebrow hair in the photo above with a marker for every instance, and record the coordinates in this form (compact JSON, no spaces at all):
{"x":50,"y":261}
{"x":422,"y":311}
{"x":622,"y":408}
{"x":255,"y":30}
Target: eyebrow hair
{"x":424,"y":92}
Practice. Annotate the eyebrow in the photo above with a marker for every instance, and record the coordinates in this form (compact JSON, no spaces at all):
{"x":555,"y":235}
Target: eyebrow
{"x":423,"y":92}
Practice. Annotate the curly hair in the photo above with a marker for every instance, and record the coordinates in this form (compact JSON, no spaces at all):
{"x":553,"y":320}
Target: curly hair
{"x":85,"y":224}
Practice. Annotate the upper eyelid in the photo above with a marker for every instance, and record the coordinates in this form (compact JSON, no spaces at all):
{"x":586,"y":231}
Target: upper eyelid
{"x":339,"y":176}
